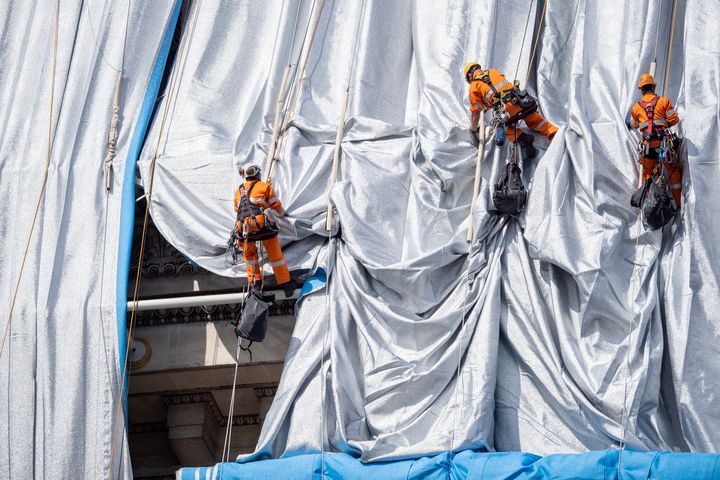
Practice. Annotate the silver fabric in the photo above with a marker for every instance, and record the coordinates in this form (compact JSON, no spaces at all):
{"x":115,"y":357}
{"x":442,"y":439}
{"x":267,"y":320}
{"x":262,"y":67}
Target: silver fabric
{"x":567,"y":329}
{"x":59,"y":373}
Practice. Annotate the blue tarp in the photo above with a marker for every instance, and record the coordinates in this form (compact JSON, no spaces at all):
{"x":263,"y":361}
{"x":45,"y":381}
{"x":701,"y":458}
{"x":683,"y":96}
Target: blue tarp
{"x":600,"y":465}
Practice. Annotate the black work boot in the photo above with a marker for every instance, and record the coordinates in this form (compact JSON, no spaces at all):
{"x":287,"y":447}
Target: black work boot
{"x":526,"y":142}
{"x":289,"y":288}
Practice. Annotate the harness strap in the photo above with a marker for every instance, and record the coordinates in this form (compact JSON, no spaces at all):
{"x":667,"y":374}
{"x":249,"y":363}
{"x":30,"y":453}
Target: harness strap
{"x":649,"y":108}
{"x":494,"y":95}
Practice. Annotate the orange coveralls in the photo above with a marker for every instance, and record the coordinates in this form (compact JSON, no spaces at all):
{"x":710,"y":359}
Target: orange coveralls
{"x":263,"y":196}
{"x":664,"y":115}
{"x":481,"y":99}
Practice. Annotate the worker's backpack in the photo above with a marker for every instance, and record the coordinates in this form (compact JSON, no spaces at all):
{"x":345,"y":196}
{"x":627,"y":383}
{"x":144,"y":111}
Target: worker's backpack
{"x":658,"y":204}
{"x":510,"y":195}
{"x":257,"y":226}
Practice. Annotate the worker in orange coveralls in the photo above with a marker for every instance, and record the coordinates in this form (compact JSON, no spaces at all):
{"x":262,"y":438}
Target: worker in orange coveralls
{"x":252,"y":198}
{"x":489,"y":89}
{"x":653,"y":116}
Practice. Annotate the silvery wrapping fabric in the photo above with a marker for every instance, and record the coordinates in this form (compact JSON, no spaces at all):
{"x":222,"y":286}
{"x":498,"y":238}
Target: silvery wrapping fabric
{"x":567,"y":329}
{"x":59,"y":373}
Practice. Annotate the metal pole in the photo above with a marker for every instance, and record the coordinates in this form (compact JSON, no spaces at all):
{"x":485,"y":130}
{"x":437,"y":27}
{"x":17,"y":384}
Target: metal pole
{"x":478,"y":177}
{"x":336,"y":158}
{"x":197,"y":300}
{"x":296,"y":89}
{"x":276,"y":122}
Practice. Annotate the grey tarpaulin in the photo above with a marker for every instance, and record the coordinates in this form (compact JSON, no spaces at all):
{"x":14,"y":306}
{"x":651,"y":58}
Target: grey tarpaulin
{"x":561,"y":321}
{"x":59,"y":373}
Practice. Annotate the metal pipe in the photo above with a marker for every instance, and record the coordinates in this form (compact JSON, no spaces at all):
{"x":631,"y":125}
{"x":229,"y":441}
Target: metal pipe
{"x":198,"y":300}
{"x":478,"y":177}
{"x":276,"y":121}
{"x":336,"y":158}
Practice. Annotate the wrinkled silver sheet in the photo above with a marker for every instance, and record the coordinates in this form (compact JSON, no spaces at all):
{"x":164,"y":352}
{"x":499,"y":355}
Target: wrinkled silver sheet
{"x":542,"y":334}
{"x":59,"y":372}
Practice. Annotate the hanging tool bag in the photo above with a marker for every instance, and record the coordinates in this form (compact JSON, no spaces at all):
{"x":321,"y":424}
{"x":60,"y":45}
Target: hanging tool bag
{"x":509,"y":196}
{"x":252,"y":324}
{"x":251,"y":219}
{"x":658,"y":204}
{"x":637,"y":198}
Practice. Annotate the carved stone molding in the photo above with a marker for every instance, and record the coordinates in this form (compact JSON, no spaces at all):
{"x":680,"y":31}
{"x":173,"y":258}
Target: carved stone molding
{"x":263,"y":392}
{"x":205,"y":313}
{"x":160,"y":259}
{"x":206,"y":397}
{"x":144,"y":428}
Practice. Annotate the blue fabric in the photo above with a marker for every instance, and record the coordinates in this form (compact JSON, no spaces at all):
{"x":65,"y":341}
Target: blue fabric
{"x":127,"y":209}
{"x":317,"y":281}
{"x":471,"y":465}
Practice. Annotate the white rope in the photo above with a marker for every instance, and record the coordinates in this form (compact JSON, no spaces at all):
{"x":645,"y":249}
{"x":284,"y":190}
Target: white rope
{"x":628,"y":372}
{"x":333,"y":255}
{"x":231,"y":413}
{"x":458,"y":371}
{"x":522,"y":43}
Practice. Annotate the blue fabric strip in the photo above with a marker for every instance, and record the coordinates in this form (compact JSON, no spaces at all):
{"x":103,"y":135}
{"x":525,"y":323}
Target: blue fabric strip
{"x":127,"y":209}
{"x":314,"y":283}
{"x":471,"y":465}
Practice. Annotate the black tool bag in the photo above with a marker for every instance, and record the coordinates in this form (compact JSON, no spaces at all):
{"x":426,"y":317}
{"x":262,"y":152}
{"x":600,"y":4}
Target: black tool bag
{"x":658,"y":205}
{"x":252,"y":324}
{"x":637,"y":198}
{"x":509,"y":196}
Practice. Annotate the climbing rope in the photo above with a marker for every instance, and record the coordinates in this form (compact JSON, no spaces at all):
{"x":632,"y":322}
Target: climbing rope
{"x":323,"y":384}
{"x":458,"y":371}
{"x":535,"y":43}
{"x":628,"y":370}
{"x":670,"y":49}
{"x":231,"y":413}
{"x":522,"y":43}
{"x":172,"y":89}
{"x":43,"y":184}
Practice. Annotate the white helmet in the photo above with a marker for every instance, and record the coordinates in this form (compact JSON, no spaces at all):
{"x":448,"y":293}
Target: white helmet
{"x":251,"y":171}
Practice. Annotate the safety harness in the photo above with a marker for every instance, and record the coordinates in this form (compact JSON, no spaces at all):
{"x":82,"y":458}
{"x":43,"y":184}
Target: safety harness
{"x":514,"y":95}
{"x":249,"y":212}
{"x":649,"y":126}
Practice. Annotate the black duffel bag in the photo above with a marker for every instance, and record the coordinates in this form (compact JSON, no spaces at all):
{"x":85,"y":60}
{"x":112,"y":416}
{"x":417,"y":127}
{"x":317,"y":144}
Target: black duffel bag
{"x":252,"y":324}
{"x":658,"y":205}
{"x":509,"y":196}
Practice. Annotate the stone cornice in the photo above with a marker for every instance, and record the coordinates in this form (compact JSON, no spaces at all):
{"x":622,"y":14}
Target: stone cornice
{"x":150,"y":427}
{"x":204,"y":313}
{"x":262,"y":392}
{"x":206,"y":397}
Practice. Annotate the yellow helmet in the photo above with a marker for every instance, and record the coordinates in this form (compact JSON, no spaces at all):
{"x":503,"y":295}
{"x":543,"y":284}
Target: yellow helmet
{"x":468,"y":68}
{"x":645,"y":79}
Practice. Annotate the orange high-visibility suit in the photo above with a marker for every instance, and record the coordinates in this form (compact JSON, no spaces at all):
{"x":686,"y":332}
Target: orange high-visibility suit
{"x":664,"y":116}
{"x":263,"y":196}
{"x":481,"y":99}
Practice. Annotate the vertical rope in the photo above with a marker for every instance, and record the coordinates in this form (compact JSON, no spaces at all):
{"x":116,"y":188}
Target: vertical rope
{"x":522,"y":43}
{"x":670,"y":49}
{"x":332,"y":256}
{"x":43,"y":184}
{"x":625,"y":414}
{"x":171,"y":93}
{"x":535,"y":43}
